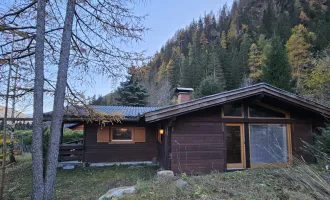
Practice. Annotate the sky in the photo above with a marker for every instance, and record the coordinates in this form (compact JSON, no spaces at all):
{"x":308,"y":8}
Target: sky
{"x":164,"y":18}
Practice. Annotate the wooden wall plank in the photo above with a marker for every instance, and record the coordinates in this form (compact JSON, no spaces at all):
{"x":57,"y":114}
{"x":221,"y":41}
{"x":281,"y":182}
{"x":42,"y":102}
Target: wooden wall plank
{"x":198,"y":143}
{"x":104,"y":152}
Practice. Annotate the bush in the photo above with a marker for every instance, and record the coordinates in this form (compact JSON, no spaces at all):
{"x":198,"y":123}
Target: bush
{"x":25,"y":135}
{"x":69,"y":135}
{"x":321,"y":147}
{"x":210,"y":85}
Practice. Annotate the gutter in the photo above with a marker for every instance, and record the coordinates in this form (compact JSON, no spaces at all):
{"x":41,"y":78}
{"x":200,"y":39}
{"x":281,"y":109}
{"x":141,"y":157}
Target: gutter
{"x":69,"y":119}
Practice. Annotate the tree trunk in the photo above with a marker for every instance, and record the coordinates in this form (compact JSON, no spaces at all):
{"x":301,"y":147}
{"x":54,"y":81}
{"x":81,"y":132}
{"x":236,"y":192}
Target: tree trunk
{"x":13,"y":107}
{"x":37,"y":158}
{"x":58,"y":107}
{"x":4,"y":141}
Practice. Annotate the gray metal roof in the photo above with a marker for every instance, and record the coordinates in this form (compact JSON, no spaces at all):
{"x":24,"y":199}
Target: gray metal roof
{"x":127,"y":111}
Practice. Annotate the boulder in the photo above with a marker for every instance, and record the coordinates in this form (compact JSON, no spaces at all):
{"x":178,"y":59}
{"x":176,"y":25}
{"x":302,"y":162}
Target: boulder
{"x":180,"y":183}
{"x":165,"y":173}
{"x":119,"y":192}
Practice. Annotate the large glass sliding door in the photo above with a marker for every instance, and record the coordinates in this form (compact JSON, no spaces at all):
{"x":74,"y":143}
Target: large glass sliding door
{"x":269,"y":144}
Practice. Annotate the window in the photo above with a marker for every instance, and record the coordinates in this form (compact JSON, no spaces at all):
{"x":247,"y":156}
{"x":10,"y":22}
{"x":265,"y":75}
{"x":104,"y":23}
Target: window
{"x":232,"y":110}
{"x":122,"y":134}
{"x":269,"y":144}
{"x":265,"y":111}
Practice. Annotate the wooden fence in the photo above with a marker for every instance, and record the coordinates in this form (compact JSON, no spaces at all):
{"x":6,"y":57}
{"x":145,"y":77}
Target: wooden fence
{"x":71,"y":152}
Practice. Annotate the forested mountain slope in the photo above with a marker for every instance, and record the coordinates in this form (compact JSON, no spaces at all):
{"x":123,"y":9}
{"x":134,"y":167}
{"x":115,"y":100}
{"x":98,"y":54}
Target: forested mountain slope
{"x":282,"y":42}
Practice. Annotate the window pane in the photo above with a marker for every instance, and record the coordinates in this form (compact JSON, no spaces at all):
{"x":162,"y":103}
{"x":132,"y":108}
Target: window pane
{"x":268,"y":143}
{"x":122,"y":134}
{"x":233,"y":109}
{"x":260,"y":111}
{"x":233,"y":144}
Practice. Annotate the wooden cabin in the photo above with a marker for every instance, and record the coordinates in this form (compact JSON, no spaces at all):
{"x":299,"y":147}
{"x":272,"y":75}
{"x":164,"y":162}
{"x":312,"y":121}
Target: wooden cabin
{"x":250,"y":127}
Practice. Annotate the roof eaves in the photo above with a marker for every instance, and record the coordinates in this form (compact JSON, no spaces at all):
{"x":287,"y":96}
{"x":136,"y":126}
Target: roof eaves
{"x":203,"y":103}
{"x":255,"y":89}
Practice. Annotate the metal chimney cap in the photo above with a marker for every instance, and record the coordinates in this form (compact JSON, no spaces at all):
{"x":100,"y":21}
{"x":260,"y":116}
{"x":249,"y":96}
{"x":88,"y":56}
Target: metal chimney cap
{"x":181,"y":89}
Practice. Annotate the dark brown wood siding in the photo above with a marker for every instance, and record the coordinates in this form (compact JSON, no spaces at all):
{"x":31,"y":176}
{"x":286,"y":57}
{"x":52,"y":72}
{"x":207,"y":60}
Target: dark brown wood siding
{"x":104,"y":152}
{"x":161,"y":154}
{"x":302,"y":133}
{"x":163,"y":146}
{"x":198,"y":142}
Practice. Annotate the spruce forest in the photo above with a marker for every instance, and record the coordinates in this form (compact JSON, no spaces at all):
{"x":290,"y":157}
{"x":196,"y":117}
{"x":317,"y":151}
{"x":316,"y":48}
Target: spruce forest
{"x":281,"y":42}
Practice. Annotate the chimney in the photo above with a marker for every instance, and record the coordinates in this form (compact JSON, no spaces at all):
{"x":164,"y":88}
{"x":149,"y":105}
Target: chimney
{"x":184,"y":94}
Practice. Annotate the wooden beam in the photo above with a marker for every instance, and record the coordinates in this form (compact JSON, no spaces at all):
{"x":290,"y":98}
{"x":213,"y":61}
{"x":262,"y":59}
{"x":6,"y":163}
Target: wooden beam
{"x":197,"y":105}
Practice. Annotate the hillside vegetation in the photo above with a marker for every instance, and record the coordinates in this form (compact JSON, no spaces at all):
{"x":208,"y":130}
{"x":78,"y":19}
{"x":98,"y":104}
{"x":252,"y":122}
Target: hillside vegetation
{"x":281,"y":42}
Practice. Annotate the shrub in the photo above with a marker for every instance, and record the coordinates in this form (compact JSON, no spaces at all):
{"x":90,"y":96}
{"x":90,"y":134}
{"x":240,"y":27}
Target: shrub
{"x":69,"y":135}
{"x":321,"y":147}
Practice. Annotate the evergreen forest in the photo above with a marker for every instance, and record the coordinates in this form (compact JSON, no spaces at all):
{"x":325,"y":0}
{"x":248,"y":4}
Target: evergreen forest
{"x":281,"y":42}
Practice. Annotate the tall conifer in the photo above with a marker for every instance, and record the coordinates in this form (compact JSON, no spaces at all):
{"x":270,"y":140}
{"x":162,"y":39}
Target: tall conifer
{"x":131,"y":93}
{"x":277,"y":70}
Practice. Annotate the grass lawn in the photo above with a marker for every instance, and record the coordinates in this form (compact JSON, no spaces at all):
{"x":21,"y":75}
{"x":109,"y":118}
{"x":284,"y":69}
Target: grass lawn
{"x":300,"y":182}
{"x":81,"y":183}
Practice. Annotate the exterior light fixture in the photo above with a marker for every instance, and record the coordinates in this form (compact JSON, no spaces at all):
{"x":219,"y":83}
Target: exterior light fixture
{"x":161,"y":131}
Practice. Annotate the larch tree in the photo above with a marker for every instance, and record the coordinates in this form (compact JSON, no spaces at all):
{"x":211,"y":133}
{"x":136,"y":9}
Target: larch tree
{"x":318,"y":81}
{"x":255,"y":63}
{"x":298,"y":47}
{"x":37,"y":151}
{"x":223,"y":40}
{"x":277,"y":70}
{"x":162,"y":73}
{"x":83,"y":37}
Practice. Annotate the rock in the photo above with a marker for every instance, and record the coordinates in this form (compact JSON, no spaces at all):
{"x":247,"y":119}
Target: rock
{"x":68,"y":167}
{"x":119,"y":192}
{"x":165,"y":173}
{"x":180,"y":183}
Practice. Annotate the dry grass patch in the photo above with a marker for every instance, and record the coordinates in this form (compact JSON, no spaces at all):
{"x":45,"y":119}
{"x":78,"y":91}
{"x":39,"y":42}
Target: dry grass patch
{"x":298,"y":182}
{"x":265,"y":183}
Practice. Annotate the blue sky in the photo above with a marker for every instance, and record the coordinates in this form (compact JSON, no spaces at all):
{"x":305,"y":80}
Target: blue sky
{"x":165,"y":17}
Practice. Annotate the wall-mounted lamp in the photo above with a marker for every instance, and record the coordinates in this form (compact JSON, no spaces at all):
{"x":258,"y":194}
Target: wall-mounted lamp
{"x":161,"y":131}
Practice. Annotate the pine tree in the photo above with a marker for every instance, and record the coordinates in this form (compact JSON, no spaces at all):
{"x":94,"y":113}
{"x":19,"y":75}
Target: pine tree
{"x":277,"y":70}
{"x":243,"y":57}
{"x":131,"y":93}
{"x":210,"y":85}
{"x":195,"y":65}
{"x":186,"y":72}
{"x":264,"y":46}
{"x":216,"y":67}
{"x":175,"y":68}
{"x":267,"y":26}
{"x":298,"y":47}
{"x":234,"y":74}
